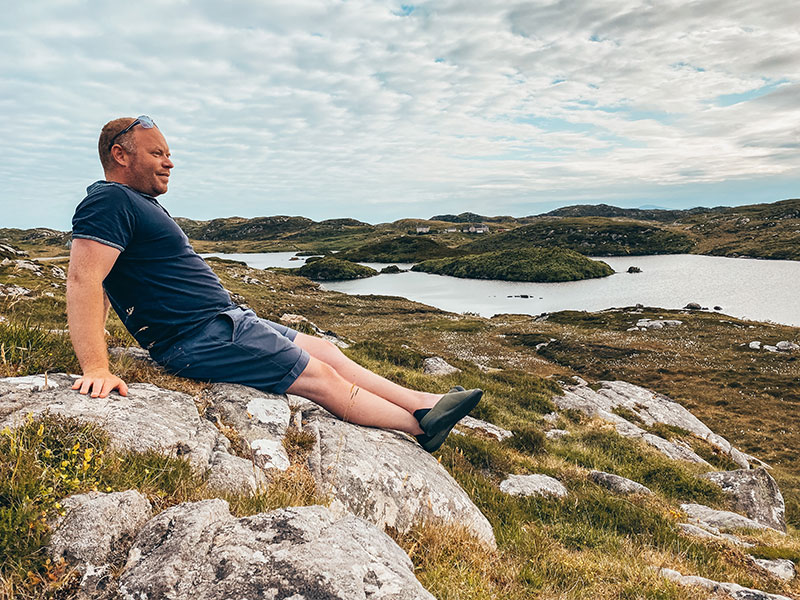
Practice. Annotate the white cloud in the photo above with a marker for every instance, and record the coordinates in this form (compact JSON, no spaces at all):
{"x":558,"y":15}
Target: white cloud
{"x":333,"y":107}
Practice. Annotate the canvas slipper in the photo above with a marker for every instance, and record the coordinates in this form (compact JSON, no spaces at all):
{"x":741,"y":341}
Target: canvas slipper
{"x":452,"y":407}
{"x":449,"y":410}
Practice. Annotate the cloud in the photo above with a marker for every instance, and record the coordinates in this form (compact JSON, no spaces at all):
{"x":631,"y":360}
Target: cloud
{"x":348,"y":108}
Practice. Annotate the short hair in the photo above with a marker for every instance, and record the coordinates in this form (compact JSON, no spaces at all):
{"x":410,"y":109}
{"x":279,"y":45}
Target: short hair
{"x":108,"y":132}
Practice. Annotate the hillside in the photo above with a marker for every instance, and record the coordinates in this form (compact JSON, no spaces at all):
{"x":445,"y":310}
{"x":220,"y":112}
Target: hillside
{"x":605,"y":210}
{"x":400,"y":249}
{"x":521,"y":264}
{"x":757,"y":230}
{"x":238,"y":228}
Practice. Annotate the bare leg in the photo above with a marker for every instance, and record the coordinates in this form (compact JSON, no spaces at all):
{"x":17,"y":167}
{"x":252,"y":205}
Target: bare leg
{"x":329,"y":354}
{"x":322,"y":384}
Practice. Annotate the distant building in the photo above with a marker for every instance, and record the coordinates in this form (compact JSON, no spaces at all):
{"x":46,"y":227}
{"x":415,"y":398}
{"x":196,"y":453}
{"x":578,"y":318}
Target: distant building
{"x":421,"y":229}
{"x":451,"y":230}
{"x":477,"y":229}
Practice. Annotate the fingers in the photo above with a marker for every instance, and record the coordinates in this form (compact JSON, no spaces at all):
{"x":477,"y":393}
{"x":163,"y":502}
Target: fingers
{"x":100,"y":387}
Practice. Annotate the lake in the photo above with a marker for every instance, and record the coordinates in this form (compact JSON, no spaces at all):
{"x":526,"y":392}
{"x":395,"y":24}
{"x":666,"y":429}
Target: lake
{"x":762,"y":290}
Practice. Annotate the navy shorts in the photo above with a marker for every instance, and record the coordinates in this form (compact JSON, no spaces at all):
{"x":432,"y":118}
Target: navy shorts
{"x":237,"y":346}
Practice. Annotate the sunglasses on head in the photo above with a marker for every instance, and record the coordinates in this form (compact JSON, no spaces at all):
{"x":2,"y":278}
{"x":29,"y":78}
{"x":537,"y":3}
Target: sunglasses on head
{"x":143,"y":120}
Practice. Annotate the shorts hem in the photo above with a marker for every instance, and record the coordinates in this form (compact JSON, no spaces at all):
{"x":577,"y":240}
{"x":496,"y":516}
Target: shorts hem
{"x":297,"y":369}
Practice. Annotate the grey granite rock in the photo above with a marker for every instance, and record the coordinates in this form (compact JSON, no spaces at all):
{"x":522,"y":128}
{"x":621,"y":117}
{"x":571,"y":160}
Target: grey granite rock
{"x":485,"y":428}
{"x":260,"y":418}
{"x":556,"y":434}
{"x":132,"y":352}
{"x":651,"y":408}
{"x":199,"y":551}
{"x":436,"y":365}
{"x":13,"y":291}
{"x":98,"y":528}
{"x":754,"y":493}
{"x":699,"y":529}
{"x":148,"y":418}
{"x":533,"y":485}
{"x":386,"y":477}
{"x":781,"y":568}
{"x":731,"y":589}
{"x":617,"y":484}
{"x":659,"y":324}
{"x":229,"y":473}
{"x":8,"y":252}
{"x":95,"y":534}
{"x":723,"y":520}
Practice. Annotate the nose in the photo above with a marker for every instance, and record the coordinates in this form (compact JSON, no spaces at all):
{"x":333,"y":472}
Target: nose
{"x":167,"y":163}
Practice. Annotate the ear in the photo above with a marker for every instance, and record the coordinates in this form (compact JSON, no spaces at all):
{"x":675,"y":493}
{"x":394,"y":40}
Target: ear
{"x":120,"y":155}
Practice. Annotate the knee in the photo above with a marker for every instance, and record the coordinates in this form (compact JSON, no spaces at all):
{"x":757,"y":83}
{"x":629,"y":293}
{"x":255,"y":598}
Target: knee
{"x":321,"y":372}
{"x":322,"y":348}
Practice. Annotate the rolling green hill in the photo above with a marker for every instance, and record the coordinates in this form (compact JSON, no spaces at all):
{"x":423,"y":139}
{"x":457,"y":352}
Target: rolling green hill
{"x":757,"y":230}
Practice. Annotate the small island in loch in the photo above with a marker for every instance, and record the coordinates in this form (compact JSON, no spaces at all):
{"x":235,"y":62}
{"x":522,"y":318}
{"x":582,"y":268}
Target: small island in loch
{"x":524,"y":264}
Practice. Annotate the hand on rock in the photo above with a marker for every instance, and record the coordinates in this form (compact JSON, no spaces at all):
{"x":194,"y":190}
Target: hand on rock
{"x":100,"y":383}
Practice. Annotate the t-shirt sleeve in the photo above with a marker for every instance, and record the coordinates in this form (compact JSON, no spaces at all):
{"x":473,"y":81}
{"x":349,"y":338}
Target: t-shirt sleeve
{"x":106,"y":217}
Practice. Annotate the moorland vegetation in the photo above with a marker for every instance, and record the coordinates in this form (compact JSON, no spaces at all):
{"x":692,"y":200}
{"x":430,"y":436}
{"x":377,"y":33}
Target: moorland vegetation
{"x":592,"y":545}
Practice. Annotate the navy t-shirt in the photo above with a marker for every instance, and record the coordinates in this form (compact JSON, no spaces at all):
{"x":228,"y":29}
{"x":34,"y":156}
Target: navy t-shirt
{"x":160,"y":288}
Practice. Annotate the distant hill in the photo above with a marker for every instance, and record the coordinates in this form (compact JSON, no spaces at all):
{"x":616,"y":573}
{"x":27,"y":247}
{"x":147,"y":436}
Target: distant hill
{"x":757,"y":230}
{"x":39,"y":241}
{"x":400,"y":249}
{"x":239,"y":228}
{"x":465,"y":217}
{"x":769,"y":230}
{"x":643,"y":214}
{"x":595,"y":236}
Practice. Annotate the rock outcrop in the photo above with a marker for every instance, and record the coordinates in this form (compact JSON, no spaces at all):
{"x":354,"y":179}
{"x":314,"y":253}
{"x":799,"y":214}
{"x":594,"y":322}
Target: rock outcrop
{"x":754,"y":493}
{"x":483,"y":428}
{"x":198,"y":551}
{"x":723,"y":520}
{"x":385,"y":477}
{"x":438,"y":366}
{"x":731,"y":589}
{"x":650,"y":408}
{"x":148,"y":418}
{"x":533,"y":485}
{"x":95,"y":534}
{"x":617,"y":484}
{"x":781,"y":568}
{"x":259,"y":418}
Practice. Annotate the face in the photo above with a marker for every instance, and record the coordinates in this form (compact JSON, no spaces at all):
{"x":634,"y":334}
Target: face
{"x":149,"y":166}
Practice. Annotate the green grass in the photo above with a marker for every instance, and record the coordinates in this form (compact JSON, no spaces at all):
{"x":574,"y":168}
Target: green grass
{"x":605,"y":450}
{"x":27,"y":349}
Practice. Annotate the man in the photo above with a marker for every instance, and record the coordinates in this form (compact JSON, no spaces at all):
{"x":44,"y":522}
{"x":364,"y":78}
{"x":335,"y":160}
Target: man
{"x":128,"y":253}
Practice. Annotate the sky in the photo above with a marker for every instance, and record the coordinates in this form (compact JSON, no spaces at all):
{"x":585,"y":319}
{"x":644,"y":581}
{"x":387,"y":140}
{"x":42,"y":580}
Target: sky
{"x":382,"y":110}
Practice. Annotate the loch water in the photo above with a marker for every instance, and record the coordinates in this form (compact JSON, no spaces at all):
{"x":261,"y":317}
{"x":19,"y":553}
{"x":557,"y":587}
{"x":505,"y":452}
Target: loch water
{"x":761,"y":290}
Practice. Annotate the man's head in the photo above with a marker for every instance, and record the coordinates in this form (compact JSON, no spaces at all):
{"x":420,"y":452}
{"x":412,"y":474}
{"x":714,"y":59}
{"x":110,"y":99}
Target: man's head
{"x":138,"y":158}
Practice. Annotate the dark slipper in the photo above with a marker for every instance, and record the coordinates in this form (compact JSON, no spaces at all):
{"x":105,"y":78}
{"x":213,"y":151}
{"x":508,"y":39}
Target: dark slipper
{"x":433,"y":443}
{"x":449,"y":410}
{"x":440,"y":420}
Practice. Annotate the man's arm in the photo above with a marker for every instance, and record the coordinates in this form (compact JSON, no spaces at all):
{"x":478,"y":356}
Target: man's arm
{"x":87,"y":309}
